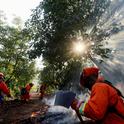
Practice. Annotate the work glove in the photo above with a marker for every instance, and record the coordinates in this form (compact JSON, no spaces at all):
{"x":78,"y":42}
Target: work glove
{"x":76,"y":104}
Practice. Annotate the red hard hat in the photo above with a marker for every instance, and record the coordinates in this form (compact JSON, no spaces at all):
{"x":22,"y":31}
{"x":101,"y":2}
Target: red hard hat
{"x":87,"y":72}
{"x":1,"y":74}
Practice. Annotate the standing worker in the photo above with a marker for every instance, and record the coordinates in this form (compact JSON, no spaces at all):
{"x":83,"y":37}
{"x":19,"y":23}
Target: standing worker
{"x":106,"y":105}
{"x":42,"y":90}
{"x":25,"y":96}
{"x":3,"y":88}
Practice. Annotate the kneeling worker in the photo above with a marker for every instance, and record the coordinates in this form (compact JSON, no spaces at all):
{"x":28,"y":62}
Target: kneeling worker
{"x":106,"y":105}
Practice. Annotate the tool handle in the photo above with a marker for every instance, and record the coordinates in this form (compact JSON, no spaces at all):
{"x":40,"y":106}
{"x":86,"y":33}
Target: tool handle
{"x":79,"y":116}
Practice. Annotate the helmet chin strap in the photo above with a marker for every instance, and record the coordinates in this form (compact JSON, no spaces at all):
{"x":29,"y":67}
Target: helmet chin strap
{"x":90,"y":81}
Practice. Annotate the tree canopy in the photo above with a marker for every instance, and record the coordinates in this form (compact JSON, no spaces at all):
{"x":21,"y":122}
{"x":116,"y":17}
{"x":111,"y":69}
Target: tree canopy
{"x":14,"y":60}
{"x":56,"y":24}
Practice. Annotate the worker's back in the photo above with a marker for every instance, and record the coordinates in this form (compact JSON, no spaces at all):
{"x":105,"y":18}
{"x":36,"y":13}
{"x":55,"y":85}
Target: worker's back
{"x":116,"y":110}
{"x":114,"y":105}
{"x":4,"y":88}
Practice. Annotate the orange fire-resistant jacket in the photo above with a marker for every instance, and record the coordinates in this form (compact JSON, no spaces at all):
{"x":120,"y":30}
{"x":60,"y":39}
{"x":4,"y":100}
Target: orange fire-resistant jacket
{"x":28,"y":88}
{"x":102,"y":98}
{"x":27,"y":95}
{"x":4,"y":88}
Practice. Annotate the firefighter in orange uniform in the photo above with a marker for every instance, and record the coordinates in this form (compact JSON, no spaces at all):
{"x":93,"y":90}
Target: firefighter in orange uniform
{"x":3,"y":88}
{"x":106,"y":105}
{"x":42,"y":90}
{"x":25,"y":92}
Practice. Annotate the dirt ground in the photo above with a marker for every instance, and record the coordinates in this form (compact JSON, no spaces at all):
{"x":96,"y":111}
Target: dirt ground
{"x":16,"y":112}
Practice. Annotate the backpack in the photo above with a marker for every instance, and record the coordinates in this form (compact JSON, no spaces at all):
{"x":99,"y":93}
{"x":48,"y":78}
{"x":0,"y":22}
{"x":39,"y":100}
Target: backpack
{"x":112,"y":108}
{"x":23,"y":91}
{"x":110,"y":84}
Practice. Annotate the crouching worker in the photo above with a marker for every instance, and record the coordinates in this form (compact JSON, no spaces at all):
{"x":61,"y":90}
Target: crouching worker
{"x":25,"y":96}
{"x":106,"y":105}
{"x":3,"y":89}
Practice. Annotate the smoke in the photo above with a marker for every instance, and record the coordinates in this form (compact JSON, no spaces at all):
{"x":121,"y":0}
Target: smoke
{"x":120,"y":86}
{"x":60,"y":115}
{"x":50,"y":100}
{"x":112,"y":23}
